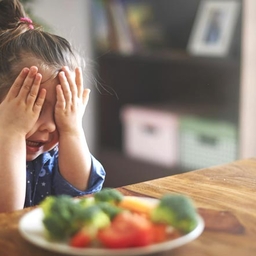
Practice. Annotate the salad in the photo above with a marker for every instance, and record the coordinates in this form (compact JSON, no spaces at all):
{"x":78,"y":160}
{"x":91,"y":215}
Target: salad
{"x":111,"y":220}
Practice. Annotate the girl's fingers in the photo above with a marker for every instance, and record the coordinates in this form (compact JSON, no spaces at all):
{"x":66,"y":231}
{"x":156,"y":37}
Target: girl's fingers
{"x":34,"y":89}
{"x":40,"y":101}
{"x":61,"y":102}
{"x":65,"y":86}
{"x":70,"y":90}
{"x":86,"y":94}
{"x":79,"y":82}
{"x":15,"y":89}
{"x":70,"y":76}
{"x":28,"y":82}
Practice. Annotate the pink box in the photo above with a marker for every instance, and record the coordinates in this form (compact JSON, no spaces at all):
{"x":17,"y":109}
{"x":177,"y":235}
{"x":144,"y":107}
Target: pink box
{"x":151,"y":134}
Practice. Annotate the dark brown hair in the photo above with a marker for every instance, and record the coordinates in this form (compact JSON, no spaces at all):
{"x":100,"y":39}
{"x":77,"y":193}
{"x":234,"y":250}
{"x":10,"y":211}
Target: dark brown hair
{"x":19,"y":41}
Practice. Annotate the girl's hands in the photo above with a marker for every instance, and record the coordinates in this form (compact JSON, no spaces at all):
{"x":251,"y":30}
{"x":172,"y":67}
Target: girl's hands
{"x":72,"y":99}
{"x":74,"y":155}
{"x":21,"y":107}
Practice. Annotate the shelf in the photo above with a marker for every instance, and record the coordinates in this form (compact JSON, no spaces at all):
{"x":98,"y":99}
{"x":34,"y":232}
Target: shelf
{"x":189,"y":81}
{"x":170,"y":55}
{"x":167,"y":74}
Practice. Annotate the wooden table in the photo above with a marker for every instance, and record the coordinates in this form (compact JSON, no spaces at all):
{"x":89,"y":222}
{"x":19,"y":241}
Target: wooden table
{"x":225,"y":196}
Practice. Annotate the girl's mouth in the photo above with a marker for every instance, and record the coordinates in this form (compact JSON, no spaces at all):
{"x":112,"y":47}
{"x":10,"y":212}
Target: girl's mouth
{"x":34,"y":145}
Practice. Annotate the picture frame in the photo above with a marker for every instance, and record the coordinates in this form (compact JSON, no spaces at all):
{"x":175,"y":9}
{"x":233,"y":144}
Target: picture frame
{"x":213,"y":29}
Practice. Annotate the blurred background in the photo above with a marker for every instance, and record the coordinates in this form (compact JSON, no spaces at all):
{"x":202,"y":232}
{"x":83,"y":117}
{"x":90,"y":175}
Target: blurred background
{"x":172,"y":81}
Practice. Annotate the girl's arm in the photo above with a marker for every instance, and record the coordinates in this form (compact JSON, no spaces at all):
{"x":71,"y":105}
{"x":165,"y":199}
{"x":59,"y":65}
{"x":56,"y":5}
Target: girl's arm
{"x":18,"y":113}
{"x":74,"y":154}
{"x":12,"y":171}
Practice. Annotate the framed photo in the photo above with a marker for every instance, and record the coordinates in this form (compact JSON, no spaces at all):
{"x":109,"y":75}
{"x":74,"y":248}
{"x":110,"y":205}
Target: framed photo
{"x":213,"y":28}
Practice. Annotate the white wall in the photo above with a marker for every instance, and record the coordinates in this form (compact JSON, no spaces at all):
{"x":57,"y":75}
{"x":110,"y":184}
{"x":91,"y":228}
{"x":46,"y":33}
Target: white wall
{"x":248,"y":78}
{"x":70,"y":19}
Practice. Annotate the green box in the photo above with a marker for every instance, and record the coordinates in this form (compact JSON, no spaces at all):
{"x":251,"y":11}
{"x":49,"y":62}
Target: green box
{"x":206,"y":142}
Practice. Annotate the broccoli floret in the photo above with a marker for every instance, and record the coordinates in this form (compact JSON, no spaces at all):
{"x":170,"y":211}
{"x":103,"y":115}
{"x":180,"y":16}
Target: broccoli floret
{"x":46,"y":204}
{"x":86,"y":201}
{"x":176,"y":210}
{"x":95,"y":217}
{"x":108,"y":195}
{"x":64,"y":216}
{"x":110,"y":209}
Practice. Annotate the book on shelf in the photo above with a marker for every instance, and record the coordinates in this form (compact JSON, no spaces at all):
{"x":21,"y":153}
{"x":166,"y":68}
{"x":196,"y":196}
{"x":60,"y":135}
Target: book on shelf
{"x":125,"y":26}
{"x":100,"y":25}
{"x":148,"y":33}
{"x":121,"y":30}
{"x":111,"y":30}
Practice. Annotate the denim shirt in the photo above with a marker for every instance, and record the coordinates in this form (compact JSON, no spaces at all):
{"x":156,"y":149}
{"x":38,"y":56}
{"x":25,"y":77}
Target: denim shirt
{"x":44,"y":179}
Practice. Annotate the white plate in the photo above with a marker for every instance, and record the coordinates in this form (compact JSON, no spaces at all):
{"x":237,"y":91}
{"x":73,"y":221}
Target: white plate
{"x":32,"y":229}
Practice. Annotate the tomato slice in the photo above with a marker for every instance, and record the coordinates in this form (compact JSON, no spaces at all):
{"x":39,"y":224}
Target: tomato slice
{"x":159,"y":231}
{"x":127,"y":230}
{"x":80,"y":239}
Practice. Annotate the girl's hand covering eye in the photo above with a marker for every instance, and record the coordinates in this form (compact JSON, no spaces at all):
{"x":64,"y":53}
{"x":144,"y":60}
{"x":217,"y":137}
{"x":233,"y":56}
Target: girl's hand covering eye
{"x":72,"y":99}
{"x":21,"y":107}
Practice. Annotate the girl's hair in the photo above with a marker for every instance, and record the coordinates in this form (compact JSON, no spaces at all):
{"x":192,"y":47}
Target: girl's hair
{"x":20,"y":39}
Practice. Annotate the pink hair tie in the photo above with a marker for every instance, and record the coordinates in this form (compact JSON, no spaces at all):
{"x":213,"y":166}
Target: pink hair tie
{"x":29,"y":21}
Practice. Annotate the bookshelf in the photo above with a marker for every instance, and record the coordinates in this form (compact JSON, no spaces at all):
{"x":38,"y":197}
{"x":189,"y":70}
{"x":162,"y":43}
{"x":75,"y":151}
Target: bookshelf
{"x":156,"y":71}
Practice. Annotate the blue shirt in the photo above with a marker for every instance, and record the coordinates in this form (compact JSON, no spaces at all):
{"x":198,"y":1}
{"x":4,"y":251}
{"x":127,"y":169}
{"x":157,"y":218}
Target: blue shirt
{"x":44,"y":179}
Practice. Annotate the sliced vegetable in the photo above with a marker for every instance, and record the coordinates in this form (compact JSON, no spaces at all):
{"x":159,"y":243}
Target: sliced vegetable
{"x":127,"y":230}
{"x":137,"y":204}
{"x":160,"y":232}
{"x":81,"y":239}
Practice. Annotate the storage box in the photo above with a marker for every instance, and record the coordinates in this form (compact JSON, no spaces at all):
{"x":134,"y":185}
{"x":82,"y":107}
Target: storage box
{"x":205,"y":142}
{"x":150,"y":134}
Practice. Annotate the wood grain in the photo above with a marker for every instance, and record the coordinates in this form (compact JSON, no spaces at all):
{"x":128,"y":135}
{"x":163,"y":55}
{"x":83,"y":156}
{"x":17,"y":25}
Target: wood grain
{"x":226,"y":189}
{"x":225,"y":198}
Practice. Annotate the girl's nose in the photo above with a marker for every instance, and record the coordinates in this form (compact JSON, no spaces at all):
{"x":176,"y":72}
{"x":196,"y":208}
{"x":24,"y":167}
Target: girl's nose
{"x":47,"y":123}
{"x":48,"y":126}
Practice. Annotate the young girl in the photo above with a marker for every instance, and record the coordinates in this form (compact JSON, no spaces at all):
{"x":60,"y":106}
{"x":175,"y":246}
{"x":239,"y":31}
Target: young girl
{"x":43,"y":149}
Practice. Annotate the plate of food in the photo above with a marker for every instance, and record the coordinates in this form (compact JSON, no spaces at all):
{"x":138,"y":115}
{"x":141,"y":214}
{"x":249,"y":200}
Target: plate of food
{"x":110,"y":224}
